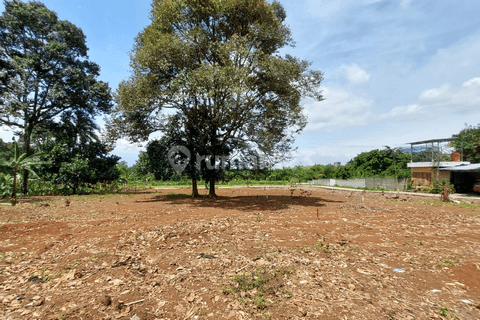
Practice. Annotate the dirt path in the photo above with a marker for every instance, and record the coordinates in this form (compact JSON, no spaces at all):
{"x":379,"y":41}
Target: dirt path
{"x":323,"y":254}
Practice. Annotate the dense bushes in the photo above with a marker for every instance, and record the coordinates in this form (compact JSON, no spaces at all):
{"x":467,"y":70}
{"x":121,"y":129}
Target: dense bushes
{"x":84,"y":164}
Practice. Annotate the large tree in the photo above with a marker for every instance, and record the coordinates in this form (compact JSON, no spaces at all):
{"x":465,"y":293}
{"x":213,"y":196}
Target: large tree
{"x":45,"y":74}
{"x":468,"y":143}
{"x":217,"y":64}
{"x":387,"y":162}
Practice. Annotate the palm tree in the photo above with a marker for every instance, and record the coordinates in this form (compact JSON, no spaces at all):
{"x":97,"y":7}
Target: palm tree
{"x":20,"y":161}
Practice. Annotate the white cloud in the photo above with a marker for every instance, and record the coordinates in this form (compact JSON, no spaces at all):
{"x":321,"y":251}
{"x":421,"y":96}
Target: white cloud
{"x":303,"y":157}
{"x":455,"y":63}
{"x":330,"y":8}
{"x":124,"y":146}
{"x":440,"y":102}
{"x":327,"y":9}
{"x":405,"y":3}
{"x":339,"y":109}
{"x":6,"y":134}
{"x":472,"y":82}
{"x":354,"y":74}
{"x":403,"y":112}
{"x":435,"y":95}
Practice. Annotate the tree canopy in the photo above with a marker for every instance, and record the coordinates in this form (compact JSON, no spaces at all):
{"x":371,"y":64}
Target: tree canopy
{"x":217,"y":63}
{"x":5,"y":153}
{"x":155,"y":158}
{"x":74,"y":166}
{"x":387,"y":162}
{"x":45,"y":72}
{"x":468,"y":143}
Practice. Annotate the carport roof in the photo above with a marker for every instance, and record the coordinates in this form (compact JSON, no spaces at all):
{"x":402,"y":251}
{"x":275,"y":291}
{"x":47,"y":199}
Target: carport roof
{"x":432,"y":141}
{"x":466,"y":168}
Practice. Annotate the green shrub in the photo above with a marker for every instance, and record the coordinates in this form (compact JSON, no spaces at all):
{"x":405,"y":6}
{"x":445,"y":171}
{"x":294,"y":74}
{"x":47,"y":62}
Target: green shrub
{"x":437,"y":186}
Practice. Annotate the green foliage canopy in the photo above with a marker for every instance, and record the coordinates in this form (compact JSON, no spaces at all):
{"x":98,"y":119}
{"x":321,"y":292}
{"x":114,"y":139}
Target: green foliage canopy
{"x":87,"y":163}
{"x":45,"y":72}
{"x":387,"y":162}
{"x":468,"y":143}
{"x":216,"y":63}
{"x":5,"y":153}
{"x":20,"y":161}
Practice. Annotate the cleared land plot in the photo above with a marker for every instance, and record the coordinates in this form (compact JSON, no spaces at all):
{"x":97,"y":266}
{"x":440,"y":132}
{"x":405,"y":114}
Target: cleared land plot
{"x":162,"y":255}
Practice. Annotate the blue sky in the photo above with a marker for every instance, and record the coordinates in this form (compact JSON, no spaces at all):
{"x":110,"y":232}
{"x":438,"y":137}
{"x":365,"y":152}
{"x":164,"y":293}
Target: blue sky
{"x":395,"y":71}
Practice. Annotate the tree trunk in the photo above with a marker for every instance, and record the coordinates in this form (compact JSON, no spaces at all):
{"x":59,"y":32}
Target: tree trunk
{"x":212,"y":171}
{"x":74,"y":188}
{"x":194,"y":188}
{"x":14,"y":191}
{"x":266,"y":177}
{"x":26,"y":140}
{"x":193,"y":172}
{"x":212,"y":193}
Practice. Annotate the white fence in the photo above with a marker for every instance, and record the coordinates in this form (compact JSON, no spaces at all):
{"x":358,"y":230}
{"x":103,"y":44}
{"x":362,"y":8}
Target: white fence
{"x":372,"y":183}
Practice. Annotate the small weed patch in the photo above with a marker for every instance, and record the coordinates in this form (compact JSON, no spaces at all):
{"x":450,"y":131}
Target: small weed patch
{"x":35,"y":279}
{"x":446,"y":312}
{"x":326,"y":247}
{"x":258,"y":288}
{"x":40,"y":279}
{"x":449,"y":261}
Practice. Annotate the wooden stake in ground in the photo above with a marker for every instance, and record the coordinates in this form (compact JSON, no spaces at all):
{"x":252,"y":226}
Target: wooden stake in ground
{"x":446,"y":193}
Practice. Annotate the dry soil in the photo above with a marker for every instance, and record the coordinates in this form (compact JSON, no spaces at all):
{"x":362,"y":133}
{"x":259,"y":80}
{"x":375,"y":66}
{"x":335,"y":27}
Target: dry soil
{"x":252,"y":253}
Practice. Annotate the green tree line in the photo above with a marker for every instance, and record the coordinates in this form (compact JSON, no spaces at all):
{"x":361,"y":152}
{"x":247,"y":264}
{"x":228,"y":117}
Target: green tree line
{"x":386,"y":163}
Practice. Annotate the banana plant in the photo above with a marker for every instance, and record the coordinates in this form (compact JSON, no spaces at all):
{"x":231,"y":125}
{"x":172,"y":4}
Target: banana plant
{"x":5,"y":185}
{"x":125,"y":176}
{"x":21,"y":161}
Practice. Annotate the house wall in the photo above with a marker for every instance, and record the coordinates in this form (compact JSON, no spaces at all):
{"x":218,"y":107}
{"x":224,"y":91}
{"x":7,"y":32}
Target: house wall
{"x":425,"y":175}
{"x":447,"y":175}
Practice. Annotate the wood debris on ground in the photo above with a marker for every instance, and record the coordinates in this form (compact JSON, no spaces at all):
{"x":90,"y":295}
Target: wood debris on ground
{"x":163,"y":255}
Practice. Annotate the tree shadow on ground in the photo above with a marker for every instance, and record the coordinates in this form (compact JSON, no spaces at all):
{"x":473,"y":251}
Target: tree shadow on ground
{"x":242,"y":202}
{"x":132,"y":192}
{"x":35,"y":199}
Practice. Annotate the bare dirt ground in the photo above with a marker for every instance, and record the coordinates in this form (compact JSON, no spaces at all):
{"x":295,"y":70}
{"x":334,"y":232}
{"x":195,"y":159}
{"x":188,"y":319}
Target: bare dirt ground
{"x":158,"y":254}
